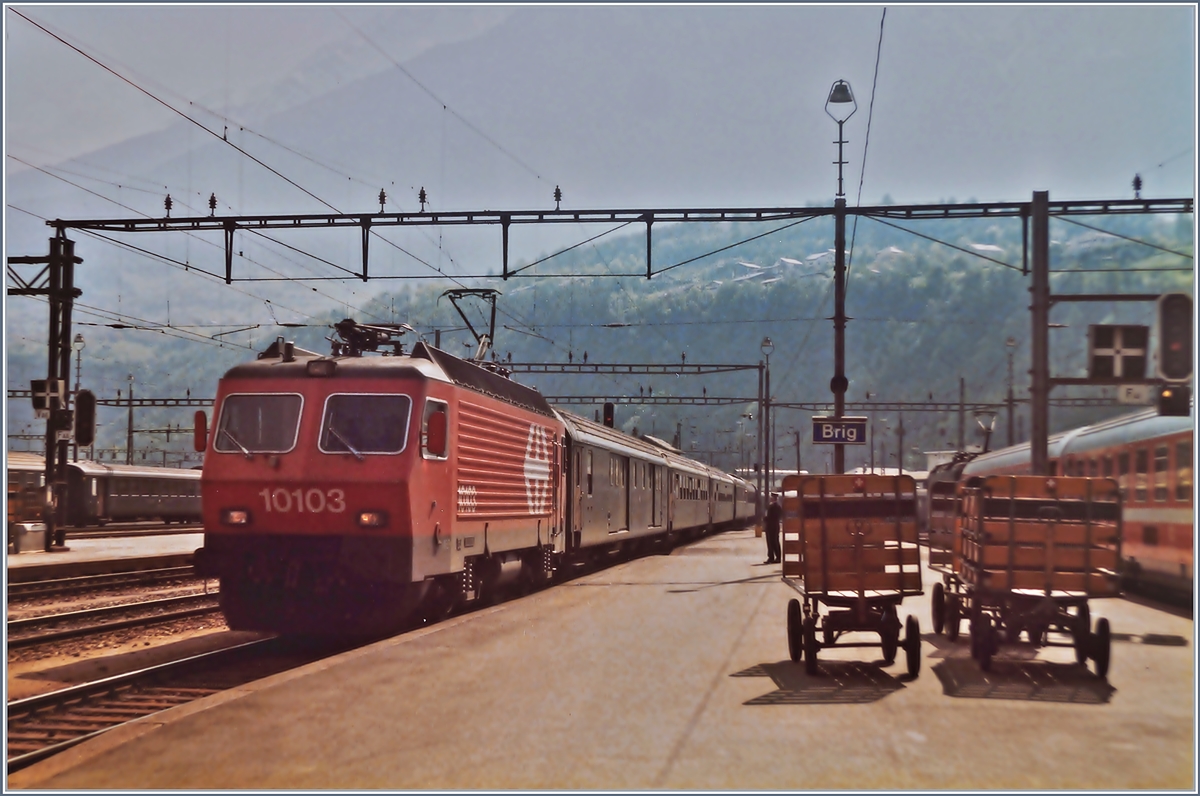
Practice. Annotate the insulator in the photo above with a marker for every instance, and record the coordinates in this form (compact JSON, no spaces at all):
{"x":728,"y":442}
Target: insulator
{"x":167,"y":204}
{"x":382,"y":199}
{"x":212,"y":204}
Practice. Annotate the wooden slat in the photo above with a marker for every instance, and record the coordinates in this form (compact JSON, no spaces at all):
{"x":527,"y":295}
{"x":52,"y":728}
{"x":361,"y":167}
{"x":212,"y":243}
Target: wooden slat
{"x":1032,"y":532}
{"x":1094,"y":583}
{"x":873,"y":558}
{"x":814,"y":581}
{"x":1062,"y":557}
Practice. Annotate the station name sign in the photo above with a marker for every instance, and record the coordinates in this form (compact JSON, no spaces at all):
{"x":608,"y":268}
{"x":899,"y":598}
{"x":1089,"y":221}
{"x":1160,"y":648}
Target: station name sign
{"x":840,"y":430}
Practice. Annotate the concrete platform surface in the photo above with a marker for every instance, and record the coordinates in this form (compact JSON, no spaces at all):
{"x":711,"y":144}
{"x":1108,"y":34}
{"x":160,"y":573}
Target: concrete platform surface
{"x":672,"y":672}
{"x":103,"y":555}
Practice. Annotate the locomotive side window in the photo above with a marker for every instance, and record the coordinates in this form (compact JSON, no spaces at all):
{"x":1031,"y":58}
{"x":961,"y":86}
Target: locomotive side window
{"x":434,"y":430}
{"x":1183,"y":470}
{"x":258,"y":423}
{"x":1123,"y":477}
{"x":1160,"y":473}
{"x":365,"y":423}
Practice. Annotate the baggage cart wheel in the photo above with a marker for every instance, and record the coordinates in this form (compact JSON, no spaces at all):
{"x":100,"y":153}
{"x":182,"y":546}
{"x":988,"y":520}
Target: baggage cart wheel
{"x":1036,"y":633}
{"x":912,"y":645}
{"x":952,"y":618}
{"x":939,"y":608}
{"x":1082,"y":638}
{"x":1101,"y":647}
{"x":889,"y":635}
{"x":987,"y":644}
{"x":810,"y":646}
{"x":795,"y":631}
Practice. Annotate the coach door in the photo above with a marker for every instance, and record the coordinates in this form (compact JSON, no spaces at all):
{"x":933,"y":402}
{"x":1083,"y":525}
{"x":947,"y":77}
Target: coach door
{"x":656,"y":498}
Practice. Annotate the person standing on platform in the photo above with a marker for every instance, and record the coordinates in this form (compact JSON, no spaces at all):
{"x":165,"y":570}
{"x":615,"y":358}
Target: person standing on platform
{"x":773,"y":524}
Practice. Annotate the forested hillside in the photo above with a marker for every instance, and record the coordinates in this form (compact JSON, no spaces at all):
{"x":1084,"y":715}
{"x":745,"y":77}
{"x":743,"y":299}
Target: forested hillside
{"x":926,"y":309}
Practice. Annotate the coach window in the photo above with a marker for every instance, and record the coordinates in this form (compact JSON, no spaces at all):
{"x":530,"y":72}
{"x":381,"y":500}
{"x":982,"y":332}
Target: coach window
{"x":364,"y":423}
{"x":1141,"y":477}
{"x":1123,"y":474}
{"x":1183,"y":471}
{"x":1160,"y":473}
{"x":258,"y":423}
{"x":1093,"y":468}
{"x":1108,"y":470}
{"x":435,"y":426}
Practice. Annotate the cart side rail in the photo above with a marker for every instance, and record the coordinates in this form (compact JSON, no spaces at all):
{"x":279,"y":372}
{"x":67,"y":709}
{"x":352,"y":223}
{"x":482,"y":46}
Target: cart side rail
{"x":1057,"y":534}
{"x":851,"y":534}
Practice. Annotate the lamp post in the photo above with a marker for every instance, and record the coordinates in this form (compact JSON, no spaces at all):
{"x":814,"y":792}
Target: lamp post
{"x":767,"y":347}
{"x":1011,"y":345}
{"x":840,"y":106}
{"x":129,"y":432}
{"x":78,"y":344}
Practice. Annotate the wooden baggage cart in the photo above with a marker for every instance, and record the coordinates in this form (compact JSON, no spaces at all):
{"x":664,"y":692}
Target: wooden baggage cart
{"x":1027,"y":554}
{"x":850,"y":543}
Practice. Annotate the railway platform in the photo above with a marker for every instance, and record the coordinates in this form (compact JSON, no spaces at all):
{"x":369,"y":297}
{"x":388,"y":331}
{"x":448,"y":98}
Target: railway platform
{"x":104,"y":555}
{"x":672,"y":672}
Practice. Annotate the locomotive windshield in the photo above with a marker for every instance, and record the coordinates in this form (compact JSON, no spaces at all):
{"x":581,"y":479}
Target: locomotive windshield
{"x":359,"y":424}
{"x":264,"y":423}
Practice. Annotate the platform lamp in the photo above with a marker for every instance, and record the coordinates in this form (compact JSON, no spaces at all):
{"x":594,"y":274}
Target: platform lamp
{"x":78,"y":344}
{"x":767,"y":347}
{"x":840,"y":106}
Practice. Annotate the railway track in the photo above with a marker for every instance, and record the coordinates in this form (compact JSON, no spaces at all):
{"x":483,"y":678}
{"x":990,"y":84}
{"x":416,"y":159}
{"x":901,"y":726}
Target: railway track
{"x":92,"y":583}
{"x":42,"y":726}
{"x":42,"y":630}
{"x":132,"y":529}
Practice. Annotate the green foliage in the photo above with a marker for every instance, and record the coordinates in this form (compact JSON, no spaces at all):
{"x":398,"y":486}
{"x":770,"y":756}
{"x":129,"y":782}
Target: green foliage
{"x":923,"y":316}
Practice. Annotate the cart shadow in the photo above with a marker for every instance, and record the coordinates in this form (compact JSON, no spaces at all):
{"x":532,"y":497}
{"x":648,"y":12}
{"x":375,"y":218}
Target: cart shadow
{"x":838,"y":682}
{"x":1031,"y":681}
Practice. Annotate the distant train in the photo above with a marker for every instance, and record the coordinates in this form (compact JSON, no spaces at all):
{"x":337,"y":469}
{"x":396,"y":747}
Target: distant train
{"x":1150,"y":457}
{"x":349,"y":492}
{"x":98,"y":494}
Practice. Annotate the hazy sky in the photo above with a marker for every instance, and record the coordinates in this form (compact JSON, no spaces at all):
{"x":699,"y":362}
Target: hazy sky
{"x":491,"y":107}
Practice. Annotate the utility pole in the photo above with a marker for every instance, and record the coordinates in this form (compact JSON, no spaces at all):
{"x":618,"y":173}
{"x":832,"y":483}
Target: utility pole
{"x":129,"y":432}
{"x":1039,"y":393}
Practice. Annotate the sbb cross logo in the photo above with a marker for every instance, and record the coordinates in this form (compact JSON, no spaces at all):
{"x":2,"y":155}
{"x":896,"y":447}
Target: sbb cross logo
{"x":537,"y":470}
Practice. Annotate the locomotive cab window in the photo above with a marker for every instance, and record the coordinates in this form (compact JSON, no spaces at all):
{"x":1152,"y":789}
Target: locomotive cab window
{"x":435,"y":440}
{"x":365,"y":423}
{"x":258,"y":423}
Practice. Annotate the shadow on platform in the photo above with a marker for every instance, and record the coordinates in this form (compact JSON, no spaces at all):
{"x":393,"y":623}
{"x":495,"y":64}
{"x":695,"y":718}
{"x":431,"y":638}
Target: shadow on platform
{"x":838,"y":682}
{"x":1031,"y":681}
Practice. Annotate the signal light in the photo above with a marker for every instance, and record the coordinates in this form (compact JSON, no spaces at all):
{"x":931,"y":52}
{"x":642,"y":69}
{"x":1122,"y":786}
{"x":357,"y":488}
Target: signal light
{"x":1175,"y":336}
{"x":85,"y":418}
{"x":1175,"y":400}
{"x":372,"y":519}
{"x":608,"y":414}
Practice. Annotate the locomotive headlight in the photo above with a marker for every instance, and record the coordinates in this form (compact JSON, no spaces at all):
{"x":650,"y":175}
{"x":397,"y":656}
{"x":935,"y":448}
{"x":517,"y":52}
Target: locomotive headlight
{"x":235,"y":517}
{"x":372,"y":519}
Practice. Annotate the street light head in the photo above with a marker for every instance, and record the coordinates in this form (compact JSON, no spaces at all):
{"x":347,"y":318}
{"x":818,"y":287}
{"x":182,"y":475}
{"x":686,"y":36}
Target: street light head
{"x":1010,"y":342}
{"x":78,"y":343}
{"x":767,"y":346}
{"x":842,"y":100}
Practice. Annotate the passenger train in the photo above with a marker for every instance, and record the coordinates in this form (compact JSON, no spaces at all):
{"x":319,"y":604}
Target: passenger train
{"x":1150,"y":457}
{"x":98,"y":494}
{"x":351,"y":493}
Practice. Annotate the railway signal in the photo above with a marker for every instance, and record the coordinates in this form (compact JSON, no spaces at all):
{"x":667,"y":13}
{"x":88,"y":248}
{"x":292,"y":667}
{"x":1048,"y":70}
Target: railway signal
{"x":1175,"y":336}
{"x":85,"y":418}
{"x":1175,"y":400}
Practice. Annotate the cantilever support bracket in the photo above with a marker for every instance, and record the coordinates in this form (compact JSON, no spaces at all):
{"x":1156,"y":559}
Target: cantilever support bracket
{"x":505,"y":220}
{"x":649,"y":267}
{"x":366,"y":236}
{"x":230,"y":225}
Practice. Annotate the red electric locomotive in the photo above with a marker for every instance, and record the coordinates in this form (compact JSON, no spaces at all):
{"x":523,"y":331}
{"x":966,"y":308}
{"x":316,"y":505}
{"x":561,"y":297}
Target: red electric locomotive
{"x":334,"y":497}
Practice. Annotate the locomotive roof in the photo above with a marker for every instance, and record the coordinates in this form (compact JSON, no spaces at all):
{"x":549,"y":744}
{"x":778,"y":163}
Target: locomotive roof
{"x":425,"y":361}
